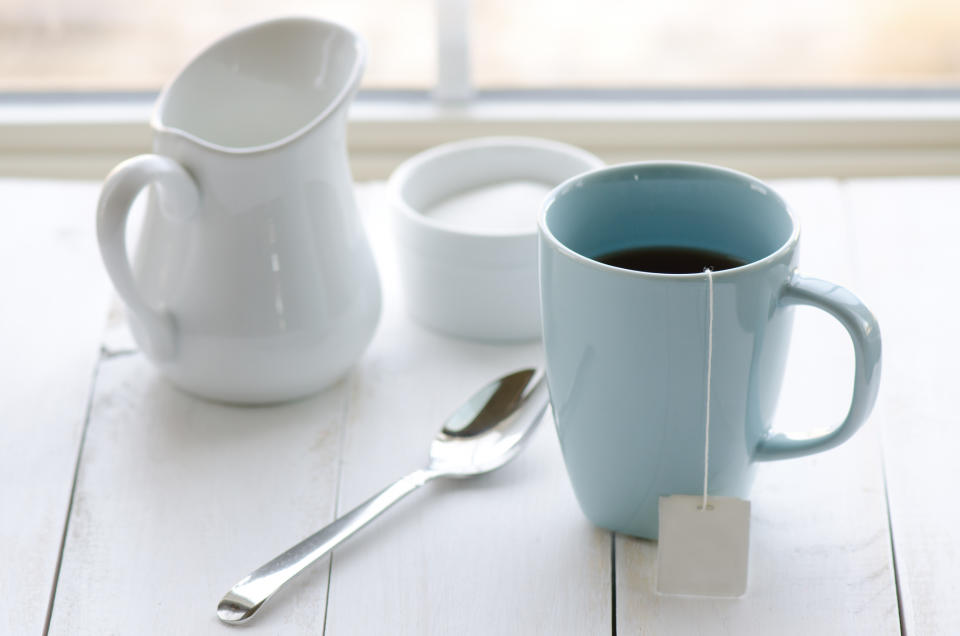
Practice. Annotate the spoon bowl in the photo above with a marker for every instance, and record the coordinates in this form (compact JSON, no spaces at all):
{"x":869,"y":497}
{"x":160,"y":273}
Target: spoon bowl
{"x":486,"y":432}
{"x":490,"y":428}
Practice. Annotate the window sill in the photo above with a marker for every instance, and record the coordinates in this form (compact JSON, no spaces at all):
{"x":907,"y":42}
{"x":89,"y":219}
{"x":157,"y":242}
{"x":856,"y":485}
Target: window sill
{"x":767,"y":137}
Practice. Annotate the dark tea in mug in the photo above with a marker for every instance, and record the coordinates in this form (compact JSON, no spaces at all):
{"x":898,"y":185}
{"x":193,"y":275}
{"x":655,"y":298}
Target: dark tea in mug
{"x":669,"y":259}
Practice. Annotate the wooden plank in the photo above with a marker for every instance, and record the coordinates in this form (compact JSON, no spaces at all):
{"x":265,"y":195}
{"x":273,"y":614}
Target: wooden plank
{"x":506,"y":553}
{"x":54,"y":305}
{"x":906,"y":233}
{"x":175,"y":495}
{"x":820,"y":559}
{"x":177,"y":498}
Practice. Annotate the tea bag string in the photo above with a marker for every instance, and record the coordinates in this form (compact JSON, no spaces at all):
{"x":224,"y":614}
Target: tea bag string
{"x":706,"y":436}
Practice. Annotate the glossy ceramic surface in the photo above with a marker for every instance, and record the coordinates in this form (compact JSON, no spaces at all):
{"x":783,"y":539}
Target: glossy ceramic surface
{"x":253,"y":280}
{"x":626,"y":350}
{"x":480,"y":285}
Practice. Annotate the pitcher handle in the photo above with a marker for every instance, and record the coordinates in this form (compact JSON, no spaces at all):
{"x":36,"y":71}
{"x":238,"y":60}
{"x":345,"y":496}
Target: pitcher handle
{"x":865,"y":333}
{"x":179,"y":197}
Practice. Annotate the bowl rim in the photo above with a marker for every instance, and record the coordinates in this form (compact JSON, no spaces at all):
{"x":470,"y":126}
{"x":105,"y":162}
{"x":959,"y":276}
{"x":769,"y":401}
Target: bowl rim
{"x":412,"y":167}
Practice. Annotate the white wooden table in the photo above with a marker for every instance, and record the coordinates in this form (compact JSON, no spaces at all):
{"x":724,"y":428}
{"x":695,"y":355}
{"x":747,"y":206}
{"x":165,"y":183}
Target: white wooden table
{"x":130,"y":508}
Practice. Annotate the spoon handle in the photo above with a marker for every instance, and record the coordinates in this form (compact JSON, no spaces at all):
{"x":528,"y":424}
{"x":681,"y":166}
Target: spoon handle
{"x":246,"y":597}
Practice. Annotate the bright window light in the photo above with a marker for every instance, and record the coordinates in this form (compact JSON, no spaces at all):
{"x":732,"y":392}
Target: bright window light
{"x":118,"y":45}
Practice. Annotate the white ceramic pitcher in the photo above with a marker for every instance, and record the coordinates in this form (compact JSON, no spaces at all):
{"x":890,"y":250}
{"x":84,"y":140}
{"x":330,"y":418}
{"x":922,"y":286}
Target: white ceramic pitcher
{"x":253,"y":280}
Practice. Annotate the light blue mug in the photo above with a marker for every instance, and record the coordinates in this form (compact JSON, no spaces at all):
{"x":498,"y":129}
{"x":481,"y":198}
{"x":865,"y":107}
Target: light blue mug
{"x":626,"y":350}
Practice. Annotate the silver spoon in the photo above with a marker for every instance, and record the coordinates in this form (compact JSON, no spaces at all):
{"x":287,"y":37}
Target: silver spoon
{"x":482,"y":435}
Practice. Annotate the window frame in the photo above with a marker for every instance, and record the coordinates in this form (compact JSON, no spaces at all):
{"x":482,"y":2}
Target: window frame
{"x":769,"y":133}
{"x":835,"y":132}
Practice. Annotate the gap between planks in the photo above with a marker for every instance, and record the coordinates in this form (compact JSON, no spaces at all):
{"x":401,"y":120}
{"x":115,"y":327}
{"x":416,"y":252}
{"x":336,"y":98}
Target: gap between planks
{"x":344,"y":416}
{"x":855,"y":264}
{"x":73,"y":492}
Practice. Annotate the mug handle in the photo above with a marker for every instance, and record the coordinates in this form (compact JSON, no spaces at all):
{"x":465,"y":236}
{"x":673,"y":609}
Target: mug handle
{"x":179,"y":197}
{"x":865,"y":333}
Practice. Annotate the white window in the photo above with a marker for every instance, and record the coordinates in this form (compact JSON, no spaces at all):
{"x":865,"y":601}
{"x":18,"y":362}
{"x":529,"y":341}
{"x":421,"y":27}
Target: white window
{"x":816,"y":87}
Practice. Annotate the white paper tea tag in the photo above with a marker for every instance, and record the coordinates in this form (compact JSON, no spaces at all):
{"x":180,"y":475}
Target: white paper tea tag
{"x":703,"y":552}
{"x":704,"y":541}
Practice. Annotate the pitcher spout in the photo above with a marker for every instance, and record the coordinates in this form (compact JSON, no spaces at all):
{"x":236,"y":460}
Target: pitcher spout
{"x":264,"y":86}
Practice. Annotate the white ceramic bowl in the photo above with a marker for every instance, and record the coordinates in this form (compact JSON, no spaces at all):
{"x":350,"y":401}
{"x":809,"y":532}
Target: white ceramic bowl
{"x":478,"y":282}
